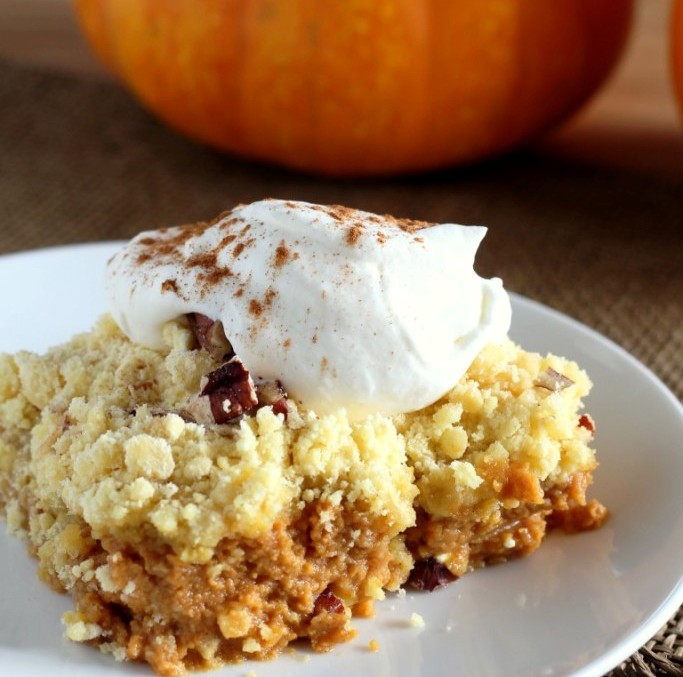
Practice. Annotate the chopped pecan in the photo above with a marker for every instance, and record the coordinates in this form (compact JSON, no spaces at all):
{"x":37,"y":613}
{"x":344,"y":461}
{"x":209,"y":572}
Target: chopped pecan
{"x":272,"y":394}
{"x":328,"y":601}
{"x":586,"y":421}
{"x":230,"y":390}
{"x":211,"y":336}
{"x":552,"y":380}
{"x":429,"y":574}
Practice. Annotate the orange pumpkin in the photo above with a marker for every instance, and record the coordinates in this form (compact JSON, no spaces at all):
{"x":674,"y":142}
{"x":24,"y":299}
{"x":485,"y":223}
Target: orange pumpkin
{"x":677,"y":50}
{"x":360,"y":86}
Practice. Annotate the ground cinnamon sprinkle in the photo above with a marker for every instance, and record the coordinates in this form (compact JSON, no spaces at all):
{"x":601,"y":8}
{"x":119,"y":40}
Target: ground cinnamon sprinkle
{"x":281,"y":255}
{"x":222,"y":216}
{"x":268,"y":298}
{"x":161,"y":249}
{"x":228,"y":239}
{"x":203,"y":260}
{"x":407,"y":225}
{"x":353,"y":234}
{"x":337,"y":212}
{"x":169,"y":286}
{"x":214,"y":275}
{"x":343,"y":215}
{"x":255,"y":308}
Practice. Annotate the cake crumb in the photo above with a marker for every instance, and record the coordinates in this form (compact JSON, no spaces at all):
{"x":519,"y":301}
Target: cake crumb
{"x":416,"y":621}
{"x":250,"y":645}
{"x":373,"y":646}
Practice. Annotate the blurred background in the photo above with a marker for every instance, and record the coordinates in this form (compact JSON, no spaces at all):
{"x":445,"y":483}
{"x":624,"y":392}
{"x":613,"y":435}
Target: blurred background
{"x":632,"y":122}
{"x":587,"y":218}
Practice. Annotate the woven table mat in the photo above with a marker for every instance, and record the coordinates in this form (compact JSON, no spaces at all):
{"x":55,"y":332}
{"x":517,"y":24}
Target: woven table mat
{"x":80,"y":161}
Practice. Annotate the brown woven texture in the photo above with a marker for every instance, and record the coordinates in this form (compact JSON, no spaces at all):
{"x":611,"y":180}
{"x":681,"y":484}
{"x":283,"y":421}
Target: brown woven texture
{"x":80,"y":161}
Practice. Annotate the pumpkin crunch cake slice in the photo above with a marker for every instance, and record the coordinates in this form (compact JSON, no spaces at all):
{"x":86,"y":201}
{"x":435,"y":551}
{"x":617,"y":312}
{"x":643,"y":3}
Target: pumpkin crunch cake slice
{"x":275,"y":425}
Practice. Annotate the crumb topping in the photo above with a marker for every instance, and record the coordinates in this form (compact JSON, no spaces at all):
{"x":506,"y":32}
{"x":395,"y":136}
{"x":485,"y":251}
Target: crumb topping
{"x":119,"y":470}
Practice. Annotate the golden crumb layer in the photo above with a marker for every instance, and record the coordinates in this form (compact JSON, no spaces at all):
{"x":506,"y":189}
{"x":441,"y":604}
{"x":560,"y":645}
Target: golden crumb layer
{"x":273,"y":528}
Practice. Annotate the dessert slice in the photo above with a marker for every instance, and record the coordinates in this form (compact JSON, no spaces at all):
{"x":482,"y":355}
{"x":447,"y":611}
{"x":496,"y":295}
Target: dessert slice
{"x":171,"y":470}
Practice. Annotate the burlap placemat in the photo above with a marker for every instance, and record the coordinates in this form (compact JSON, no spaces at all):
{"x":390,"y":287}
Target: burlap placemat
{"x":79,"y":161}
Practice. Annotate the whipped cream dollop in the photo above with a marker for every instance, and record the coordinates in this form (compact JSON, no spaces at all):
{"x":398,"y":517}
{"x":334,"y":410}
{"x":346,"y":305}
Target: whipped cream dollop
{"x":347,"y":309}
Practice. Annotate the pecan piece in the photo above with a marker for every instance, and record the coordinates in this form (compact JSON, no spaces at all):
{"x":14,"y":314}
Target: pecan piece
{"x":230,"y":390}
{"x":586,"y":421}
{"x":429,"y":574}
{"x":328,"y":601}
{"x":272,"y":394}
{"x":552,"y":380}
{"x":211,"y":336}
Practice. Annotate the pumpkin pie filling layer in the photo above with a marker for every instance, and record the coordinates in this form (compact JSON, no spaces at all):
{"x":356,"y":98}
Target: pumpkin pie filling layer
{"x":190,"y":544}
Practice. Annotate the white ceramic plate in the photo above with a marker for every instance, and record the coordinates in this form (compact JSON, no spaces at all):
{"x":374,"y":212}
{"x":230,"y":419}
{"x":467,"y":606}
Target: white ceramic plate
{"x":578,"y":606}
